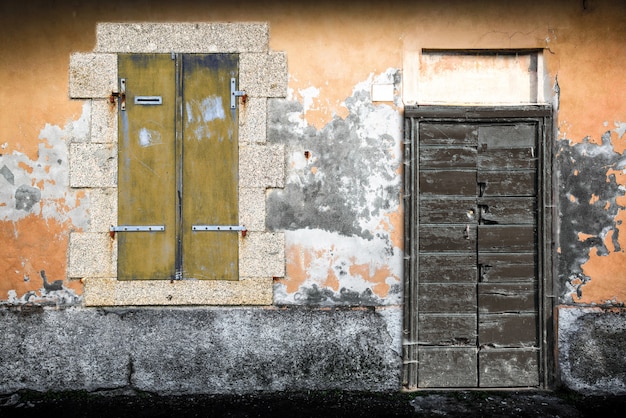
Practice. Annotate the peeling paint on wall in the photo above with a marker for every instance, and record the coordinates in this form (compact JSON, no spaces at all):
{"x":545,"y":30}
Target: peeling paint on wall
{"x":592,"y":203}
{"x":341,"y":202}
{"x":38,"y":209}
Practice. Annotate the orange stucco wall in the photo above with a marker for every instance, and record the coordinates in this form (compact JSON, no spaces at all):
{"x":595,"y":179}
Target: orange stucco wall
{"x":331,"y":46}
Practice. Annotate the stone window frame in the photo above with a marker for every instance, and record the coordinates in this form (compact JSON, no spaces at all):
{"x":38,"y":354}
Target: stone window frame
{"x":93,"y":163}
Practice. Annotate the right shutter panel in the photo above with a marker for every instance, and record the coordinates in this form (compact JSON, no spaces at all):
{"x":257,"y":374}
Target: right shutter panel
{"x":210,"y":167}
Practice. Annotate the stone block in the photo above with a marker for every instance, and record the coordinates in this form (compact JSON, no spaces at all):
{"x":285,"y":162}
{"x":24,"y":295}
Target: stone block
{"x":262,"y":254}
{"x":198,"y":350}
{"x":253,"y":121}
{"x":182,"y":37}
{"x":264,"y":75}
{"x":262,"y":166}
{"x":103,"y":121}
{"x":252,"y":208}
{"x":92,"y":75}
{"x":112,"y":292}
{"x":102,"y":209}
{"x":592,"y":343}
{"x":90,"y":255}
{"x":93,"y":165}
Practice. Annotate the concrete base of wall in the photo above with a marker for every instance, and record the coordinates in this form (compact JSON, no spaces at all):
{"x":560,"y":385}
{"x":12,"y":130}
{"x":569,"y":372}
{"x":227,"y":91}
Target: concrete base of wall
{"x":592,"y":343}
{"x":199,"y":350}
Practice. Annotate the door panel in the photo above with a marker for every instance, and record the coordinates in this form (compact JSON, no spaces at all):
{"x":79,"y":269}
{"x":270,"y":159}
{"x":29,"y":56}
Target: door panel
{"x":448,"y":367}
{"x":436,"y":297}
{"x":506,"y":238}
{"x":448,"y":211}
{"x":449,"y":157}
{"x":509,"y":367}
{"x":448,"y":183}
{"x":510,"y":159}
{"x":519,"y":267}
{"x":477,"y":294}
{"x":507,"y":183}
{"x":507,"y":297}
{"x":448,"y":134}
{"x":507,"y":210}
{"x":210,"y":166}
{"x":448,"y":329}
{"x":448,"y":238}
{"x":146,"y":168}
{"x":508,"y":136}
{"x":448,"y":268}
{"x":507,"y":330}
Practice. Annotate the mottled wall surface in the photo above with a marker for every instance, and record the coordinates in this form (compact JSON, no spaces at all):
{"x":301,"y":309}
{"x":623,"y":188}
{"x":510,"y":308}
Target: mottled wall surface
{"x":177,"y":351}
{"x":341,"y":206}
{"x":37,"y":211}
{"x":591,"y":206}
{"x":592,"y":342}
{"x":341,"y":202}
{"x":334,"y":52}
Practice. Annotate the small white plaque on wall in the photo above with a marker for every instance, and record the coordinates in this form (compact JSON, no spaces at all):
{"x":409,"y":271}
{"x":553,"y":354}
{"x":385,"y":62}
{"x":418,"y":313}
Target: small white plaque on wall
{"x":382,"y":92}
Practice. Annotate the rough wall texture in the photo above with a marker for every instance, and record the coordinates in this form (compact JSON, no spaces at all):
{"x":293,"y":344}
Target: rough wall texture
{"x":340,"y":210}
{"x":591,"y":204}
{"x":199,"y":350}
{"x":592,"y":342}
{"x":341,"y":202}
{"x":37,"y":210}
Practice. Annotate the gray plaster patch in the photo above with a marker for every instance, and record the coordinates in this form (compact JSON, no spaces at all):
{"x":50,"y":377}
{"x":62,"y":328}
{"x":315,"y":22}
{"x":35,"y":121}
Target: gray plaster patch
{"x":592,"y":343}
{"x":51,"y":198}
{"x":316,"y":296}
{"x":7,"y":174}
{"x":587,"y":205}
{"x":26,"y":197}
{"x":342,"y":175}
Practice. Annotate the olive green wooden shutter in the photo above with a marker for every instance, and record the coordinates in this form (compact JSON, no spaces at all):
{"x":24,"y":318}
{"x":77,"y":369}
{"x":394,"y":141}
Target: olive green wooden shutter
{"x":146,"y":167}
{"x":178,"y":167}
{"x":209,"y":167}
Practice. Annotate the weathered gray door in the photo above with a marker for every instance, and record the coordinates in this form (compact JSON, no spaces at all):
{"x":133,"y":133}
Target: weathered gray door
{"x":477,"y":293}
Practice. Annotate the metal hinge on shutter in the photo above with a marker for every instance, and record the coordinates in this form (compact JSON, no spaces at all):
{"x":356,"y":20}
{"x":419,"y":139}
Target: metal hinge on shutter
{"x":224,"y":228}
{"x":135,"y":228}
{"x":121,"y":95}
{"x":234,"y":93}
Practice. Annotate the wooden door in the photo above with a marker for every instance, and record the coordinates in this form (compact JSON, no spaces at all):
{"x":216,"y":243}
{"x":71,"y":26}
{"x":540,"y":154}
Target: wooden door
{"x":475,"y":299}
{"x":178,"y":167}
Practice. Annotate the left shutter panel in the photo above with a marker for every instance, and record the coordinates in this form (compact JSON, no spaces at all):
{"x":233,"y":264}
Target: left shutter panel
{"x":147,"y":167}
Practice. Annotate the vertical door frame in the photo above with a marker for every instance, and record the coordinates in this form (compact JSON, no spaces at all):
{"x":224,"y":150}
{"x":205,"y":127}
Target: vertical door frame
{"x":540,"y":114}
